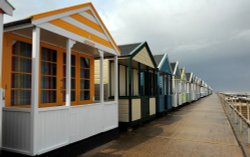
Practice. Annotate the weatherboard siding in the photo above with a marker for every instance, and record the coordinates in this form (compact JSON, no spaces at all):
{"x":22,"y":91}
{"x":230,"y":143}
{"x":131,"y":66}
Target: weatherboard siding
{"x":135,"y":82}
{"x":152,"y":106}
{"x":123,"y":110}
{"x":144,"y":58}
{"x":136,"y":109}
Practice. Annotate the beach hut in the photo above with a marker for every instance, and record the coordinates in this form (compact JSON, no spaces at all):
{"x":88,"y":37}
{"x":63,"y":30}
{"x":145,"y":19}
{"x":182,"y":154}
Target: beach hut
{"x":195,"y":82}
{"x":193,"y":87}
{"x":5,"y":8}
{"x":164,"y":85}
{"x":199,"y":81}
{"x":189,"y":77}
{"x":136,"y":84}
{"x":176,"y":88}
{"x":183,"y":84}
{"x":48,"y":79}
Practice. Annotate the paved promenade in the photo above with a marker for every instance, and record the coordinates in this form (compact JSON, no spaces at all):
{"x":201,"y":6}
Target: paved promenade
{"x":200,"y":129}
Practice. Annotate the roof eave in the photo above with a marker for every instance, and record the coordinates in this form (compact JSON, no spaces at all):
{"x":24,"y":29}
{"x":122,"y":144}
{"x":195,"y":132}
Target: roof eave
{"x":6,"y":7}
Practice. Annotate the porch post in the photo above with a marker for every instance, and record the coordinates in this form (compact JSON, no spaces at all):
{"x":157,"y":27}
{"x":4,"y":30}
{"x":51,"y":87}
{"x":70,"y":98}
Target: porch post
{"x":116,"y":79}
{"x":69,"y":45}
{"x":101,"y":77}
{"x":35,"y":86}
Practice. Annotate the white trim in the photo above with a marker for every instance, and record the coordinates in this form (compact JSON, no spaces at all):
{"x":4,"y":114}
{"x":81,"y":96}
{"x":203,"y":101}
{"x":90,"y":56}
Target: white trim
{"x":44,"y":150}
{"x":101,"y":54}
{"x":110,"y":40}
{"x":69,"y":44}
{"x":88,"y":16}
{"x":17,"y":109}
{"x":54,"y":108}
{"x":84,"y":27}
{"x":116,"y":78}
{"x":13,"y":28}
{"x":58,"y":16}
{"x":162,"y":60}
{"x":35,"y":86}
{"x":78,"y":38}
{"x":175,"y":68}
{"x":6,"y":7}
{"x":17,"y":151}
{"x":136,"y":48}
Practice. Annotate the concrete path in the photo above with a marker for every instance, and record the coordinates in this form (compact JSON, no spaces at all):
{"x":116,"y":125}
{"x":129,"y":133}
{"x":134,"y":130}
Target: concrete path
{"x":200,"y":129}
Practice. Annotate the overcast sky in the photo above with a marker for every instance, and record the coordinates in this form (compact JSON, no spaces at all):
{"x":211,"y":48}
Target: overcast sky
{"x":209,"y":37}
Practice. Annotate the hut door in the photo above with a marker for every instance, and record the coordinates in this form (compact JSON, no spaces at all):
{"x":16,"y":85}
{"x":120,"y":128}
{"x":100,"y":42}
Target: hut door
{"x":144,"y":96}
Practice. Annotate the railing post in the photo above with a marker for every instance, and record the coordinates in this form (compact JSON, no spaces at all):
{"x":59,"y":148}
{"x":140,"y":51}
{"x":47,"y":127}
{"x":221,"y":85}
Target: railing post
{"x":240,"y":124}
{"x":235,"y":117}
{"x":248,"y":134}
{"x":247,"y":105}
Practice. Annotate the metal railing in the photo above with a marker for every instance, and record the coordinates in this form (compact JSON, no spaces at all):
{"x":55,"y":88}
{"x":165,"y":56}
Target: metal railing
{"x":239,"y":123}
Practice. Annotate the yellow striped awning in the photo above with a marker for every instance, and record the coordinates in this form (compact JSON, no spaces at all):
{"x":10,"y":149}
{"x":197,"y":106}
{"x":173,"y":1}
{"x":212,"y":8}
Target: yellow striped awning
{"x":80,"y":23}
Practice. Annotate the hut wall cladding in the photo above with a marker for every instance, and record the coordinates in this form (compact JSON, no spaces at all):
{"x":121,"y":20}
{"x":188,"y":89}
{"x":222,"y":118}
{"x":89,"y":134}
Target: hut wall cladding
{"x":105,"y":79}
{"x":135,"y":83}
{"x":16,"y":132}
{"x":71,"y":124}
{"x":123,"y":110}
{"x":144,"y":58}
{"x":152,"y":106}
{"x":105,"y":72}
{"x":136,"y":109}
{"x":123,"y":79}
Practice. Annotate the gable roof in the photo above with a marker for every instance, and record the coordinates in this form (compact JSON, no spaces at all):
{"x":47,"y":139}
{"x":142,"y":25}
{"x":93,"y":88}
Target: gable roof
{"x":128,"y":48}
{"x":175,"y":68}
{"x":139,"y":52}
{"x":6,"y":7}
{"x":80,"y":23}
{"x":189,"y":76}
{"x":158,"y":59}
{"x":183,"y":74}
{"x":163,"y":63}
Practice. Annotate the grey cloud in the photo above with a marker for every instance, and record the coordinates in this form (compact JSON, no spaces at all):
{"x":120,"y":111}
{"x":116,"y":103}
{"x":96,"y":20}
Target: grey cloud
{"x":209,"y":37}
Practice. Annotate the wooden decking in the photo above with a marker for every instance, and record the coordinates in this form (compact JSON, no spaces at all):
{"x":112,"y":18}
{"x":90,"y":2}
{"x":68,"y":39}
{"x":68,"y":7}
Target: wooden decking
{"x":199,"y":129}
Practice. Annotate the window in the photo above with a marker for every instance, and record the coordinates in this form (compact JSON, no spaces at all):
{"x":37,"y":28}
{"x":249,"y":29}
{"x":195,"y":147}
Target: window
{"x":73,"y":77}
{"x":21,"y":74}
{"x":52,"y":76}
{"x":48,"y":76}
{"x":84,"y":79}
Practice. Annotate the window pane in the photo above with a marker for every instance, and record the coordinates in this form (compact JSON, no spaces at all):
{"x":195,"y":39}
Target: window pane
{"x":48,"y":80}
{"x":21,"y":81}
{"x":48,"y":68}
{"x":21,"y":74}
{"x":20,"y":97}
{"x":15,"y":63}
{"x":48,"y":96}
{"x":84,"y":84}
{"x":84,"y":62}
{"x":25,"y":49}
{"x":85,"y":95}
{"x":85,"y":73}
{"x":25,"y":65}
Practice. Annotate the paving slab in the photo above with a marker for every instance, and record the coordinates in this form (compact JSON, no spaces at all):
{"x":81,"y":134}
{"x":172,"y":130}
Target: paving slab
{"x":200,"y":129}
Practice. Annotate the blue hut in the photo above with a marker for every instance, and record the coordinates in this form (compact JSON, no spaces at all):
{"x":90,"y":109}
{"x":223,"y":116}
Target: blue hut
{"x":164,"y":85}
